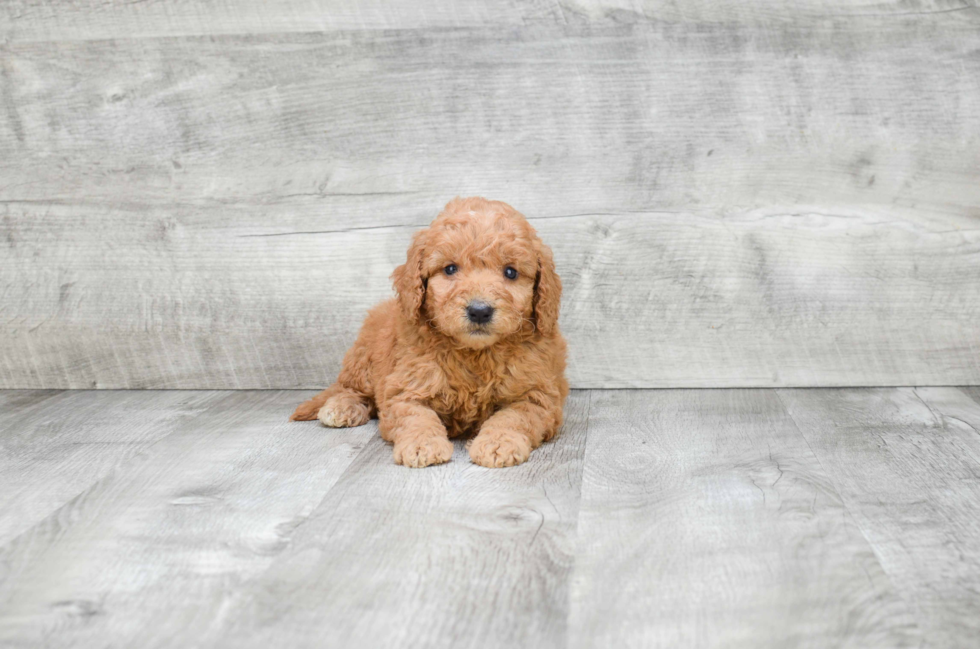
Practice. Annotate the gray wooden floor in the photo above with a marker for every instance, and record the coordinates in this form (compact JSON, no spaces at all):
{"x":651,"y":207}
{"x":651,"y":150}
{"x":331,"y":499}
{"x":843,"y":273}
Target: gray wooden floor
{"x":674,"y":518}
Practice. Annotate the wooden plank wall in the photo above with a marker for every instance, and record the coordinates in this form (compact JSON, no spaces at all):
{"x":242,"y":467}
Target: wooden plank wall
{"x":765,"y":193}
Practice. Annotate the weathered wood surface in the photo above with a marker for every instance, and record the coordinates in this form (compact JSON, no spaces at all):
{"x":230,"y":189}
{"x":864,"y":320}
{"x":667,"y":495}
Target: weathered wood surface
{"x":460,"y":556}
{"x":658,"y":518}
{"x":907,"y":465}
{"x":94,"y":19}
{"x":62,"y":444}
{"x":151,"y":554}
{"x":751,"y":196}
{"x":706,"y":521}
{"x":650,"y":299}
{"x":15,"y":402}
{"x":974,"y":392}
{"x":46,"y":20}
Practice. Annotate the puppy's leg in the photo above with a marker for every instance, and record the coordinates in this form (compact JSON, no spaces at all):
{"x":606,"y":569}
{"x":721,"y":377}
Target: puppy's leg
{"x":338,"y":407}
{"x":419,"y":436}
{"x":344,"y":409}
{"x":510,"y":434}
{"x":307,"y":410}
{"x":349,"y":399}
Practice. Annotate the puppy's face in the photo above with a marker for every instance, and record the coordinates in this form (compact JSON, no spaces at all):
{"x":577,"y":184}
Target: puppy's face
{"x":481,"y":281}
{"x":479,"y":267}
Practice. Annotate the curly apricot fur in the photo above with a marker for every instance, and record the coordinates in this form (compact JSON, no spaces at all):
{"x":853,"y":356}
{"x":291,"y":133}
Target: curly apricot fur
{"x":430,"y":374}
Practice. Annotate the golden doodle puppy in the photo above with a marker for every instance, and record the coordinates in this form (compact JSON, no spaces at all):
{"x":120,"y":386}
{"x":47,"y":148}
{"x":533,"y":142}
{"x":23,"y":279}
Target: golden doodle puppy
{"x":470,"y":344}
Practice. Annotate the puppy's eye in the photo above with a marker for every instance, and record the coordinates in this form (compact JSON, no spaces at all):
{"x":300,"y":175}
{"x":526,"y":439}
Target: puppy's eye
{"x":450,"y":269}
{"x":510,"y":273}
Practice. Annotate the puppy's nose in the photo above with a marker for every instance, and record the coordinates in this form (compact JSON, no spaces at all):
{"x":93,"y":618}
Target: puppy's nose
{"x":479,"y":312}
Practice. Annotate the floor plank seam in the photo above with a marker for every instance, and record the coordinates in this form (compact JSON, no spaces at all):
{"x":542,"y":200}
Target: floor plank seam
{"x":941,"y":418}
{"x":910,"y":608}
{"x":578,"y":521}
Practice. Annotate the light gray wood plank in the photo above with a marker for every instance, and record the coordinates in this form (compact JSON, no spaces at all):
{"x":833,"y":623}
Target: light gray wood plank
{"x":59,"y":20}
{"x":731,"y":204}
{"x":907,"y":464}
{"x":449,"y":556}
{"x":556,"y":120}
{"x":14,"y":402}
{"x":956,"y":407}
{"x":653,"y":299}
{"x":706,"y":521}
{"x":974,"y":392}
{"x":59,"y":446}
{"x":768,"y":11}
{"x":152,"y":554}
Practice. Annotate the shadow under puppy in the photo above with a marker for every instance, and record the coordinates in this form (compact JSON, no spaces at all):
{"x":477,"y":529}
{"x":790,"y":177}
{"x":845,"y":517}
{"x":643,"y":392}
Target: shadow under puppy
{"x":471,"y":344}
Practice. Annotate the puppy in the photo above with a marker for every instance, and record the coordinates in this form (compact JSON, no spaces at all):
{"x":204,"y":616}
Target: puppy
{"x":470,"y":344}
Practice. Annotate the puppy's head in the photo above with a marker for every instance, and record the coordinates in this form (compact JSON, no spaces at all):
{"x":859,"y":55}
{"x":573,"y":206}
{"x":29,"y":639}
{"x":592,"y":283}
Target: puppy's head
{"x":479,"y":274}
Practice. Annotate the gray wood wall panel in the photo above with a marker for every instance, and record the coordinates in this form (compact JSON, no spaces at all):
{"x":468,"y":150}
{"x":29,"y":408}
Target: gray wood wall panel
{"x":651,"y":299}
{"x":45,"y":20}
{"x":760,"y":196}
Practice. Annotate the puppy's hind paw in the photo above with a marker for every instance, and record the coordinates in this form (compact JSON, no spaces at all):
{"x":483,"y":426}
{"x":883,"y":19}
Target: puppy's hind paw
{"x":337,"y":414}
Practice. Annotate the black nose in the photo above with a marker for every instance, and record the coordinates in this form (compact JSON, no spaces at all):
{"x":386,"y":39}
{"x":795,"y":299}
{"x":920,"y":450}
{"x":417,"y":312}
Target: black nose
{"x":479,"y":312}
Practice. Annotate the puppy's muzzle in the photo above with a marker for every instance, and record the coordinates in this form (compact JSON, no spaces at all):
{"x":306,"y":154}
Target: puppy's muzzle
{"x":479,"y":312}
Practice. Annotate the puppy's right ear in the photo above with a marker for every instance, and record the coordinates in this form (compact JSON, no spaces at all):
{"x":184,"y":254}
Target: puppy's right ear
{"x":409,"y":282}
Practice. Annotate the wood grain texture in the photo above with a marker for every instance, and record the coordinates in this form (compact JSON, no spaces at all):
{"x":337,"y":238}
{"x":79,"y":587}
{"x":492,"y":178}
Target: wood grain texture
{"x":14,"y":402}
{"x":706,"y":521}
{"x":907,"y":465}
{"x":974,"y":392}
{"x":650,"y":299}
{"x":151,"y":554}
{"x":659,"y":518}
{"x":62,"y":444}
{"x":558,"y":120}
{"x":744,"y":200}
{"x":460,"y":555}
{"x":59,"y":20}
{"x":767,"y":11}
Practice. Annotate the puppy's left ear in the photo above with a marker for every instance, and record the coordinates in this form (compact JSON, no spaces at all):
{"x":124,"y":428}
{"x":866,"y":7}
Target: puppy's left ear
{"x":547,"y":293}
{"x":409,"y":282}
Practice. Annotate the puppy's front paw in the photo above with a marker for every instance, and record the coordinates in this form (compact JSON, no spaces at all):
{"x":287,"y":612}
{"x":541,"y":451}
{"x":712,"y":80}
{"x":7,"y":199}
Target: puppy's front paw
{"x":418,"y":452}
{"x":500,"y":448}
